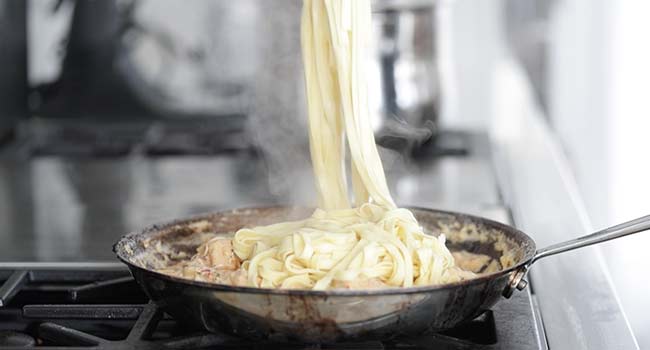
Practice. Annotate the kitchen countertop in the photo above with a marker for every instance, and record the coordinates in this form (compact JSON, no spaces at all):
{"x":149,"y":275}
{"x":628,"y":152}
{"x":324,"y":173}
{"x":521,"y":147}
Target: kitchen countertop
{"x":56,"y":209}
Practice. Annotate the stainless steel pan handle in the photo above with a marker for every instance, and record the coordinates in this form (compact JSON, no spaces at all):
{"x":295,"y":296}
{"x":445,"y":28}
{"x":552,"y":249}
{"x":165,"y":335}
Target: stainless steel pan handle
{"x":620,"y":230}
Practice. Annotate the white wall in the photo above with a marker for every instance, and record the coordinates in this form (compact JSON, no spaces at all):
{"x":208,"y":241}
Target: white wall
{"x":628,"y":125}
{"x":600,"y":106}
{"x":629,"y":109}
{"x":578,"y":86}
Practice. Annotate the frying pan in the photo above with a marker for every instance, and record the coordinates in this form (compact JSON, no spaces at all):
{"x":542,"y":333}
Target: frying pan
{"x":332,"y":315}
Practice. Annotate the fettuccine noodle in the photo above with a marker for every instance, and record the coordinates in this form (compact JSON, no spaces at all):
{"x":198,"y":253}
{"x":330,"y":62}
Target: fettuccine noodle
{"x":374,"y":243}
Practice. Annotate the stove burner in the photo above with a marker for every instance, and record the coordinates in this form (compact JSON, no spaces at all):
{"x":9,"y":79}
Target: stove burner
{"x":85,"y":308}
{"x":17,"y":339}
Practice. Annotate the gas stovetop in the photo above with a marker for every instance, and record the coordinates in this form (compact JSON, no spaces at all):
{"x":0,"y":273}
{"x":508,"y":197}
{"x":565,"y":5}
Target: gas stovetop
{"x":101,"y":307}
{"x":61,"y":288}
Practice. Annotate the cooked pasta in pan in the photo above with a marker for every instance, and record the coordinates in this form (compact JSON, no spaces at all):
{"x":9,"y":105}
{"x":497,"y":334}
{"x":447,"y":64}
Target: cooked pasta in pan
{"x":370,"y":243}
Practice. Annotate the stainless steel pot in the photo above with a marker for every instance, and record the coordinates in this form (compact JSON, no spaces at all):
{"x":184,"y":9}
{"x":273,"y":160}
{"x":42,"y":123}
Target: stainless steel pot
{"x":316,"y":316}
{"x":405,"y":92}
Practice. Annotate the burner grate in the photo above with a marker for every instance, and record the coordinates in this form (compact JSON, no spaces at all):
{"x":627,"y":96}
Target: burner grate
{"x":86,"y":312}
{"x":142,"y":334}
{"x":11,"y":286}
{"x":83,"y":308}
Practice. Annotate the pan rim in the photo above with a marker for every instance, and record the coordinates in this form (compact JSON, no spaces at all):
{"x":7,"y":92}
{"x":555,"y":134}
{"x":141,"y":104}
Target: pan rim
{"x":528,"y":255}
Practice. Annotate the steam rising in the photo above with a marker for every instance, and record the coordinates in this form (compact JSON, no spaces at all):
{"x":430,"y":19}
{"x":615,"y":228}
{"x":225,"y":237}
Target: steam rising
{"x":278,"y":119}
{"x":278,"y":115}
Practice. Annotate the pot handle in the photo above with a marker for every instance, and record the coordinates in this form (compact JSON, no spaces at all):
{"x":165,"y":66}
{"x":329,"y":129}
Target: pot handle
{"x":627,"y":228}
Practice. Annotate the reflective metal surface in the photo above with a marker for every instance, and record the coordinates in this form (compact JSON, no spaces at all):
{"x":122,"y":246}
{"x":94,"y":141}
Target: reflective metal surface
{"x":62,"y":209}
{"x":316,"y":316}
{"x":405,"y":98}
{"x":55,"y":209}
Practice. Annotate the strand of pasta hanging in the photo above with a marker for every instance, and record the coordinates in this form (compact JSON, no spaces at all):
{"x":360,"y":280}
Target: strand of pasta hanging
{"x":374,"y":244}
